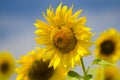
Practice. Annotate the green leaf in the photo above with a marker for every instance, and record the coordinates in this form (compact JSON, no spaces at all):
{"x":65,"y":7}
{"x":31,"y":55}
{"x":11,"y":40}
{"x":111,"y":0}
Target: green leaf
{"x":71,"y":78}
{"x":102,"y":62}
{"x":88,"y":77}
{"x":72,"y":75}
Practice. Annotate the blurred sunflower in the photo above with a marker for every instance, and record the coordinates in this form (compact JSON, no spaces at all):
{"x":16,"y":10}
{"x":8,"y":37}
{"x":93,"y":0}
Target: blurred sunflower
{"x":7,"y":65}
{"x":107,"y":73}
{"x":98,"y":73}
{"x":65,"y":36}
{"x":111,"y":73}
{"x":34,"y":68}
{"x":108,"y":46}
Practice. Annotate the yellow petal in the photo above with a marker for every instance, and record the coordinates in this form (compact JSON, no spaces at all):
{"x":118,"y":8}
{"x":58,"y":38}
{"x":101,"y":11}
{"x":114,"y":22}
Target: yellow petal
{"x":76,"y":14}
{"x":42,"y":41}
{"x":41,"y":32}
{"x":59,"y":9}
{"x":68,"y":14}
{"x":64,"y":9}
{"x":81,"y":21}
{"x":57,"y":61}
{"x":41,"y":25}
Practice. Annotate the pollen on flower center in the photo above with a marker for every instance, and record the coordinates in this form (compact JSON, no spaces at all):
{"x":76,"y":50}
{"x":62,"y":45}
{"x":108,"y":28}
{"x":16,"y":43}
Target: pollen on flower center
{"x":64,"y":39}
{"x":107,"y":47}
{"x":4,"y":67}
{"x":40,"y":71}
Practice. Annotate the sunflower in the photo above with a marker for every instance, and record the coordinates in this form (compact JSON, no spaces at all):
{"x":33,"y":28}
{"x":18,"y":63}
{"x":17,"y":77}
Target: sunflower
{"x":65,"y":36}
{"x":98,"y":73}
{"x":107,"y":73}
{"x":111,"y":73}
{"x":108,"y":46}
{"x":7,"y":65}
{"x":34,"y":68}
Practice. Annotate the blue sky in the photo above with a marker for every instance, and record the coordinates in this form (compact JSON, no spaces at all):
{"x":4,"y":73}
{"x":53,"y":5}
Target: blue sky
{"x":18,"y":16}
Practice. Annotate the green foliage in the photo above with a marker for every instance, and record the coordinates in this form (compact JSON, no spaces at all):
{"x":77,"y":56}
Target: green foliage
{"x":101,"y":62}
{"x":72,"y":75}
{"x":87,"y":77}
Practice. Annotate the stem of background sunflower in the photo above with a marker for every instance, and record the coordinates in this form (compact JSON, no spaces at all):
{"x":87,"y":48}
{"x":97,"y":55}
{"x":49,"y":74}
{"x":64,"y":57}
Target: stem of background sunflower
{"x":83,"y":68}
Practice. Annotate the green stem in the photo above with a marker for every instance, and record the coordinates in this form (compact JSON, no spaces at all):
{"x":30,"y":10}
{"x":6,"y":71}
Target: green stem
{"x":83,"y":67}
{"x":89,"y":67}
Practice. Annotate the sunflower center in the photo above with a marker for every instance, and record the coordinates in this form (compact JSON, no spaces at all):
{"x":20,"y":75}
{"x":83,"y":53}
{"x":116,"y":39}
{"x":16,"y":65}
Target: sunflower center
{"x":64,"y":39}
{"x":107,"y":47}
{"x":4,"y":67}
{"x":109,"y":78}
{"x":40,"y":71}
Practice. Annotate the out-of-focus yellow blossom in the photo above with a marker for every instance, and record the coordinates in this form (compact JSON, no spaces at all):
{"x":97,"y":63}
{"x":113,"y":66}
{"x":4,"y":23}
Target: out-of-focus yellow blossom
{"x":98,"y":73}
{"x":108,"y":46}
{"x":65,"y":36}
{"x":107,"y":73}
{"x":34,"y":68}
{"x":111,"y":73}
{"x":7,"y":65}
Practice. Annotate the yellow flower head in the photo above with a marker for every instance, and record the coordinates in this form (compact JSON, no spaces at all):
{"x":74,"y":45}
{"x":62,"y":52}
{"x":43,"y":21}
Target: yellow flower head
{"x":65,"y":36}
{"x":7,"y":65}
{"x":111,"y":73}
{"x":107,"y":73}
{"x":108,"y":46}
{"x":34,"y":68}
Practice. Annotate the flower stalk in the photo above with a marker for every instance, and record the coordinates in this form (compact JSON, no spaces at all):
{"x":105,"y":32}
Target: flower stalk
{"x":83,"y":67}
{"x":84,"y":70}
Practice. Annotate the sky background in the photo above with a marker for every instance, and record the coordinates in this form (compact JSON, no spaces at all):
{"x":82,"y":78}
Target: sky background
{"x":18,"y":16}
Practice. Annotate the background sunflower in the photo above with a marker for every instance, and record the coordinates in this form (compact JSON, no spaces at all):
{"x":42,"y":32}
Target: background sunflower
{"x":34,"y":68}
{"x":107,"y":73}
{"x":108,"y":45}
{"x":7,"y":65}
